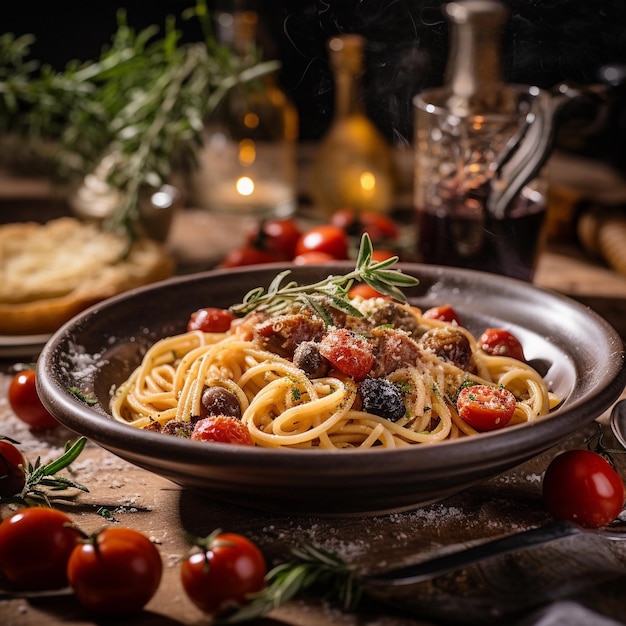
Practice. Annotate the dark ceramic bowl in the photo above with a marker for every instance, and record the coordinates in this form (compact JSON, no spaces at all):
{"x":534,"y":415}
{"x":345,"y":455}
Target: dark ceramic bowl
{"x":580,"y":355}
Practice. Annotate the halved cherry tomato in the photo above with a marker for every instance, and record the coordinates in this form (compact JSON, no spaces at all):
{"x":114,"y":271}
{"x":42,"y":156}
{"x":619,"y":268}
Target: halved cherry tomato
{"x":501,"y":342}
{"x":485,"y":407}
{"x":210,"y":320}
{"x":35,"y":545}
{"x":12,"y":469}
{"x":222,"y":429}
{"x":363,"y":290}
{"x":26,"y":404}
{"x":278,"y":237}
{"x":248,"y":255}
{"x":444,"y":313}
{"x":115,"y":572}
{"x":348,"y":352}
{"x":325,"y":238}
{"x":582,"y":487}
{"x":313,"y":258}
{"x":223,"y":572}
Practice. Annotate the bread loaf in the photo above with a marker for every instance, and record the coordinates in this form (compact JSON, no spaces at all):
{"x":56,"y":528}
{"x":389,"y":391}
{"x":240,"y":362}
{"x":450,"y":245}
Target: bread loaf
{"x":50,"y":272}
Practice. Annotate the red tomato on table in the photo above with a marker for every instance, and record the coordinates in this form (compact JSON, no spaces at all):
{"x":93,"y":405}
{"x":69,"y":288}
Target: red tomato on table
{"x":223,"y":570}
{"x":279,"y":237}
{"x":325,"y":238}
{"x":26,"y":404}
{"x":35,"y":546}
{"x":582,"y":487}
{"x":115,"y":572}
{"x":313,"y":257}
{"x":248,"y":255}
{"x":12,"y":469}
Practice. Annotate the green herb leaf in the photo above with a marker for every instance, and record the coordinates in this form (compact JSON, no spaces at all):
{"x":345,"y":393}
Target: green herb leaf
{"x":309,"y":567}
{"x":334,"y":288}
{"x":39,"y":475}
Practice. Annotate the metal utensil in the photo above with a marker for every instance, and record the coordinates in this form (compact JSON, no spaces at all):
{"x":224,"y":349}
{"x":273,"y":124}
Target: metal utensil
{"x":524,"y":540}
{"x":497,"y":581}
{"x":617,"y":420}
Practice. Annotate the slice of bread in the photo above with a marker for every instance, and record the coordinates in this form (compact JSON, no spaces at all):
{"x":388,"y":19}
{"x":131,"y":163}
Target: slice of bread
{"x":50,"y":272}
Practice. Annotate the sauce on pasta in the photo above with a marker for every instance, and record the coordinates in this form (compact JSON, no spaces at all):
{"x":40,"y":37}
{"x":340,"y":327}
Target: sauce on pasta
{"x":387,"y":379}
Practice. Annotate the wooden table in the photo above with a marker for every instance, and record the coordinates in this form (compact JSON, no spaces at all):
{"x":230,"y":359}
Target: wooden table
{"x":163,"y":510}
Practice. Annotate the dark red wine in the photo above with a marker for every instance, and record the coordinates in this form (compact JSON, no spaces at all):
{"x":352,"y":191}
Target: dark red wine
{"x":461,"y":234}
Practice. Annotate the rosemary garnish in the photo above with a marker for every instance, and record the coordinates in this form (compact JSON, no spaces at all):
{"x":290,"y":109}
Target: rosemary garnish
{"x":333,"y":289}
{"x":38,"y":476}
{"x":309,"y":567}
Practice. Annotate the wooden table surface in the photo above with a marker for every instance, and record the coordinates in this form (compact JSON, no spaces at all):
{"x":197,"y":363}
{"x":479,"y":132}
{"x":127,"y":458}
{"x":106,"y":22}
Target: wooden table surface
{"x":163,"y":510}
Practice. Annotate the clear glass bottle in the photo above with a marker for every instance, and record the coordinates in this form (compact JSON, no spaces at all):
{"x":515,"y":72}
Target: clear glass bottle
{"x":479,"y":144}
{"x":247,"y":165}
{"x":353,"y":165}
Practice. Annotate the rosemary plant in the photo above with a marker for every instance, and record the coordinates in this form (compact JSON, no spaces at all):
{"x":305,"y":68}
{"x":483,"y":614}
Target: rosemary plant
{"x":141,"y":105}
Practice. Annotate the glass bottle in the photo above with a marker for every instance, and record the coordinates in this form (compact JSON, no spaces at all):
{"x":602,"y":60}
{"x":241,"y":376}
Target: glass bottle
{"x":353,"y":166}
{"x":247,"y":165}
{"x":479,"y":144}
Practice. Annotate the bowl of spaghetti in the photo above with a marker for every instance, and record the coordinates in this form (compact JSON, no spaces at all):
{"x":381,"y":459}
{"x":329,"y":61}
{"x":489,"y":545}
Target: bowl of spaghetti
{"x":365,"y":420}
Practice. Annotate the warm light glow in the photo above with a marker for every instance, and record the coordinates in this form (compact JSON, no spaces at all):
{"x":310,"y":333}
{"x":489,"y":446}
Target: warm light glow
{"x":251,"y":120}
{"x":245,"y":186}
{"x":478,"y":122}
{"x":247,"y":152}
{"x":367,"y":181}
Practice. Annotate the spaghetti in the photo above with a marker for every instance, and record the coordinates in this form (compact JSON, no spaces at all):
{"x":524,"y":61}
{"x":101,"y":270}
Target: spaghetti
{"x":284,"y":406}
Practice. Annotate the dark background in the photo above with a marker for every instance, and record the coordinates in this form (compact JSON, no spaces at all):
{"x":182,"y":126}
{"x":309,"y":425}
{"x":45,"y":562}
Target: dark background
{"x":546,"y":42}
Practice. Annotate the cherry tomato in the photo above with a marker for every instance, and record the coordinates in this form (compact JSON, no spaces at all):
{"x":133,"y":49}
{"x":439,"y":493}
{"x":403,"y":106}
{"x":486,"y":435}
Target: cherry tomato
{"x":444,"y":313}
{"x":278,"y":237}
{"x":35,"y":545}
{"x":325,"y":238}
{"x":582,"y":487}
{"x":210,"y":320}
{"x":223,"y":573}
{"x":248,"y":255}
{"x":485,"y":407}
{"x":12,"y":469}
{"x":382,"y":255}
{"x":26,"y":404}
{"x":501,"y":342}
{"x":115,"y":572}
{"x":313,"y":258}
{"x":350,"y":353}
{"x":379,"y":227}
{"x":363,"y":290}
{"x":222,"y":429}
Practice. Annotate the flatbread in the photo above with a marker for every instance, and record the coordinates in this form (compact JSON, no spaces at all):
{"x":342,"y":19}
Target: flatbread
{"x":50,"y":272}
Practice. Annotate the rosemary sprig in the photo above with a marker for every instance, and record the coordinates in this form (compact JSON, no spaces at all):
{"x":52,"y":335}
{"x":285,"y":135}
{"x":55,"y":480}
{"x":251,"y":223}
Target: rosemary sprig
{"x":377,"y":274}
{"x":309,"y":567}
{"x":38,"y":476}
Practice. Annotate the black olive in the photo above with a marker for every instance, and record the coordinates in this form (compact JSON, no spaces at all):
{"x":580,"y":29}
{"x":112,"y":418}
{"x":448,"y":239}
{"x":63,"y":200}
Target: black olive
{"x":219,"y":401}
{"x":308,"y":358}
{"x":382,"y":397}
